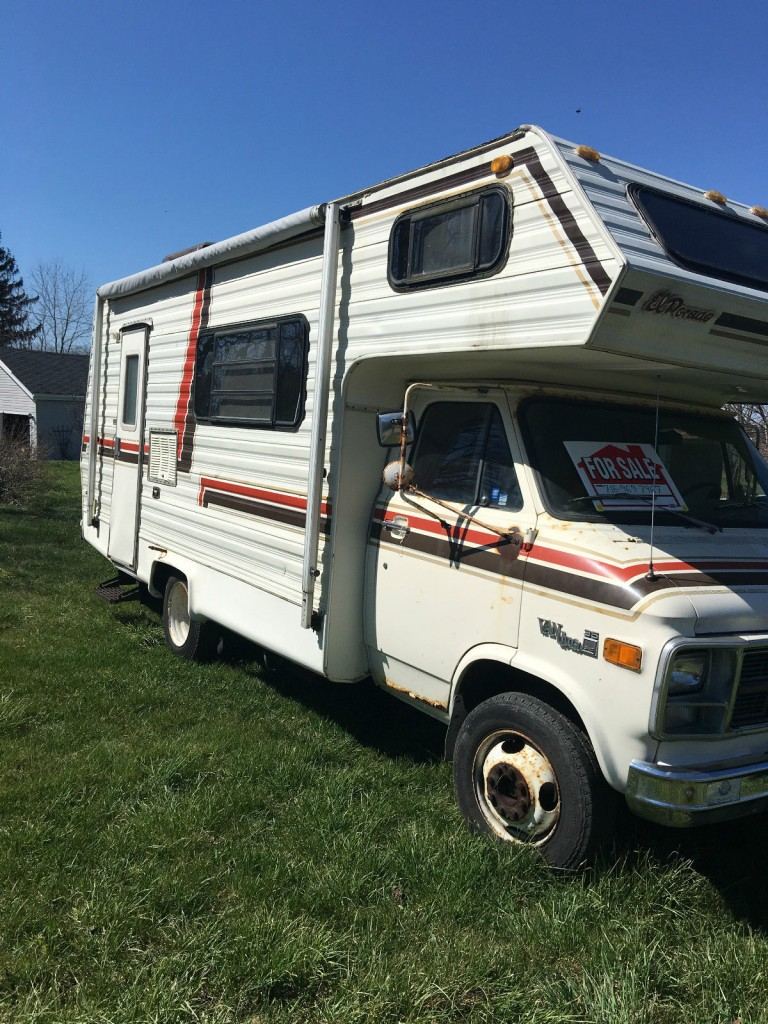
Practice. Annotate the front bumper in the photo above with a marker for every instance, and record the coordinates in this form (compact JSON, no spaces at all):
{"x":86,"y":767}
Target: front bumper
{"x":682,"y":797}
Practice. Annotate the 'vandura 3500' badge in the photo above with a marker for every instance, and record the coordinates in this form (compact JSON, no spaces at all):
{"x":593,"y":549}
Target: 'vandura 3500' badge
{"x":555,"y":631}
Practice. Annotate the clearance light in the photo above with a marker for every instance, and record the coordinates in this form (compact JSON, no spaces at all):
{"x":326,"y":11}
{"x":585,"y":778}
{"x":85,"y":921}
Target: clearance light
{"x":715,"y":197}
{"x":623,"y":655}
{"x":502,"y":164}
{"x":587,"y":153}
{"x":759,"y":211}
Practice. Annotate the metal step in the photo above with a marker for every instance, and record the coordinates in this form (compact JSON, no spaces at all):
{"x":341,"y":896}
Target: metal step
{"x":119,"y":588}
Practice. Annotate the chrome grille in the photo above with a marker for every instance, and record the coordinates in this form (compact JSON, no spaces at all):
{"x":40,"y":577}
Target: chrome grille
{"x":750,"y":708}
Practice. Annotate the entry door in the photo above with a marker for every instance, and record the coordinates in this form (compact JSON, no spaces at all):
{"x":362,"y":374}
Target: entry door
{"x":440,"y":582}
{"x":129,"y":449}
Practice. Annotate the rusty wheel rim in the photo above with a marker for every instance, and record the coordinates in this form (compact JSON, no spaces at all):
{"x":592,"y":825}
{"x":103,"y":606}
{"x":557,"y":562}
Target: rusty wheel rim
{"x":516,"y":788}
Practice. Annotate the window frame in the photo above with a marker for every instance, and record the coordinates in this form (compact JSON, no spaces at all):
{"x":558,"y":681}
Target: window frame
{"x":490,"y":404}
{"x":249,"y":325}
{"x":460,"y":275}
{"x":635,"y":190}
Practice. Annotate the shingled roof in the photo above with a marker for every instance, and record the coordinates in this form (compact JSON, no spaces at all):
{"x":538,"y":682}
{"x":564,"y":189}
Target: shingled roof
{"x":47,"y":373}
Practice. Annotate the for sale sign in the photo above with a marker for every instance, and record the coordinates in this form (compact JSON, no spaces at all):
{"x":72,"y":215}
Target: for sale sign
{"x":624,"y":474}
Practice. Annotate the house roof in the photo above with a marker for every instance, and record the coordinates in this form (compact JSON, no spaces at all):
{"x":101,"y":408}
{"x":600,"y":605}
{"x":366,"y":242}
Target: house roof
{"x":47,"y":373}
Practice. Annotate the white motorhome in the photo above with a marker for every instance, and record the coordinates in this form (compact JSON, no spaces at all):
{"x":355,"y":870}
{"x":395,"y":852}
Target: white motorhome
{"x":566,"y":563}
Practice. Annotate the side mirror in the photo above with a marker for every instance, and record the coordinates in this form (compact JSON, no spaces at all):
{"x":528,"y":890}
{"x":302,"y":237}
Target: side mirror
{"x":389,"y":426}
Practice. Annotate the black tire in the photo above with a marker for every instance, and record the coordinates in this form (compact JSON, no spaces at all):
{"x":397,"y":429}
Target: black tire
{"x":188,"y":639}
{"x":525,"y":774}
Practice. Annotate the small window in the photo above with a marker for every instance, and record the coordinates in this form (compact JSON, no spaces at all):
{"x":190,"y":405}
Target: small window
{"x":709,"y":241}
{"x":130,"y":390}
{"x":253,"y":374}
{"x":462,"y":455}
{"x":450,"y":241}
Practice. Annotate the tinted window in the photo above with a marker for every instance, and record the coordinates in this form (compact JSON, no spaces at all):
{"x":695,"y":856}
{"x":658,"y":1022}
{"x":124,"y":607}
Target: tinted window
{"x":450,"y":241}
{"x":713,"y":242}
{"x":462,"y":455}
{"x":253,"y":374}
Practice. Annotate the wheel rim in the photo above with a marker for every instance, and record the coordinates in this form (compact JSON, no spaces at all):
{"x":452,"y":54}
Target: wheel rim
{"x":178,"y":614}
{"x":516,"y":788}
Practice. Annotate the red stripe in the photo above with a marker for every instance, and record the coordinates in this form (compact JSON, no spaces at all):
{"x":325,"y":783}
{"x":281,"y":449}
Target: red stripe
{"x":185,"y":389}
{"x":577,"y":563}
{"x":276,"y":497}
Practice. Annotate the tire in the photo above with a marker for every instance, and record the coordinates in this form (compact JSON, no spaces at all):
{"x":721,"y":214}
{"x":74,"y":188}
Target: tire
{"x":186,"y":638}
{"x":524,"y":774}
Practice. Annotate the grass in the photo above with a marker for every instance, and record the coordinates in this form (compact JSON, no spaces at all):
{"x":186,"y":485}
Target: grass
{"x":229,"y":843}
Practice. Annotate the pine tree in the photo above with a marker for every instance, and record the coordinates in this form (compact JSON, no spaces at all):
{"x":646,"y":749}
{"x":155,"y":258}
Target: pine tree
{"x":14,"y":304}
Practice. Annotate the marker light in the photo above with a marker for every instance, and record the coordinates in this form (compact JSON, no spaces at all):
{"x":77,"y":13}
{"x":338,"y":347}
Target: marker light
{"x":623,"y":655}
{"x":715,"y":197}
{"x":502,"y":164}
{"x":587,"y":153}
{"x":759,"y":211}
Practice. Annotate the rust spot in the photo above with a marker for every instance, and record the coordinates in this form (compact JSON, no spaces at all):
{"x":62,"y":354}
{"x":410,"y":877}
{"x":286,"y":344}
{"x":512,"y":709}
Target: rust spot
{"x":414,"y":696}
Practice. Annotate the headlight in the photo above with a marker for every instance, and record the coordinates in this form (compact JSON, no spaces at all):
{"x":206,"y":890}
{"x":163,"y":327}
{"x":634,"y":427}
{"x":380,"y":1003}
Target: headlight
{"x":697,"y":692}
{"x":687,"y":672}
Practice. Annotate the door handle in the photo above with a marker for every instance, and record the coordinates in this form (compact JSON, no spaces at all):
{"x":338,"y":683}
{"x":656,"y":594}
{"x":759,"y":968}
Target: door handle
{"x":398,"y":527}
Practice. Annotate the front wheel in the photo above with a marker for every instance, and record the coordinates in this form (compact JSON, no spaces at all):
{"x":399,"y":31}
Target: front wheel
{"x":185,"y":637}
{"x":524,"y":773}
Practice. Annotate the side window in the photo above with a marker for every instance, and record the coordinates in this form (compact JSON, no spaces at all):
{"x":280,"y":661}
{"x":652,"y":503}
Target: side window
{"x":450,"y":241}
{"x":130,"y":390}
{"x":253,"y":374}
{"x":462,"y":455}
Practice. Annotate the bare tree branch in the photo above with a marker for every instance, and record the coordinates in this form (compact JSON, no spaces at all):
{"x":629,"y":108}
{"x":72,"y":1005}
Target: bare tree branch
{"x":63,"y":307}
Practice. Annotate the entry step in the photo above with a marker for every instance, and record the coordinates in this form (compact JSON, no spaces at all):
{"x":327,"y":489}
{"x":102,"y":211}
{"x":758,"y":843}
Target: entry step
{"x":119,"y":588}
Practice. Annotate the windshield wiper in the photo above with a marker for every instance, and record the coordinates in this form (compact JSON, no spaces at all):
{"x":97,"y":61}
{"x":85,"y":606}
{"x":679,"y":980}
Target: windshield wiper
{"x":700,"y":523}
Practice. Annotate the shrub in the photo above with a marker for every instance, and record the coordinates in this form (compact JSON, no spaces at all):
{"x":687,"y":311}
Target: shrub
{"x":20,"y":471}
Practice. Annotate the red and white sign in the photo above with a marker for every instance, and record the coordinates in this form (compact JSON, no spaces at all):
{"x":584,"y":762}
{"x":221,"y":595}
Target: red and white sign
{"x":623,"y":474}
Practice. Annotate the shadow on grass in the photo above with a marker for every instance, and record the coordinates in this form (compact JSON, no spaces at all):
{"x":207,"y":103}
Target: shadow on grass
{"x":729,"y":855}
{"x":372,"y":717}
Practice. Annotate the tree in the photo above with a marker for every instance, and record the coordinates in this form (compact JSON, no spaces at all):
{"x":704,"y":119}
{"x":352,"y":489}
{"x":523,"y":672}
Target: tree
{"x":754,"y":418}
{"x":15,"y":328}
{"x":62,"y":308}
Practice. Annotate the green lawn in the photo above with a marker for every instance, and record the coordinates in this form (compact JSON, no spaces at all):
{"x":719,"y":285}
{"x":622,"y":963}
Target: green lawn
{"x":221,"y":843}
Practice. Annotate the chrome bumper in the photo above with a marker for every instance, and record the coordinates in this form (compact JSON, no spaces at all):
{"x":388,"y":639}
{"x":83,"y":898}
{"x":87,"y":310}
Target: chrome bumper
{"x":682,"y":797}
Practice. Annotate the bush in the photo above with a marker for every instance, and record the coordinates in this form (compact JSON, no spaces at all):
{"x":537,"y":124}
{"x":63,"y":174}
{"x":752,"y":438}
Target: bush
{"x":20,"y":471}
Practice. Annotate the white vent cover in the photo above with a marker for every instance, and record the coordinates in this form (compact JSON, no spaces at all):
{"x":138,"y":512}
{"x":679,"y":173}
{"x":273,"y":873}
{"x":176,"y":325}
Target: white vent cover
{"x":162,"y":457}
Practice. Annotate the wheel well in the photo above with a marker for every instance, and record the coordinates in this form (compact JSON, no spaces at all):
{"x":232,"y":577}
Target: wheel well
{"x":485,"y":678}
{"x":159,"y":577}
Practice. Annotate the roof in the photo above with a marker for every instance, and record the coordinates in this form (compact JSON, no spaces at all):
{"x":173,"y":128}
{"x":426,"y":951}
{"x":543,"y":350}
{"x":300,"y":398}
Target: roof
{"x":47,"y":373}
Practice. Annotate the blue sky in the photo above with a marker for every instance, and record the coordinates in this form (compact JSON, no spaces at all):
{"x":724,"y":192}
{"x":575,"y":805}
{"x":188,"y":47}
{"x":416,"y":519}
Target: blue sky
{"x":129,"y":130}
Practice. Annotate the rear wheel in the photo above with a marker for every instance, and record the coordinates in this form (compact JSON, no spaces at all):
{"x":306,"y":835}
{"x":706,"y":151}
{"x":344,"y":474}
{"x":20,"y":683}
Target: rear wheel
{"x":185,"y":637}
{"x":525,"y":774}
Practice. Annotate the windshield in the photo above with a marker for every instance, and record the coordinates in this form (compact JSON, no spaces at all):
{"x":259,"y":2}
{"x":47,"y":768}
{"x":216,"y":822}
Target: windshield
{"x":592,"y":458}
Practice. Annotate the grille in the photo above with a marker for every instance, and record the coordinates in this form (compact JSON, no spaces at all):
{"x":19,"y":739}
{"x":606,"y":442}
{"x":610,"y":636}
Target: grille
{"x":162,"y":457}
{"x":751,"y":705}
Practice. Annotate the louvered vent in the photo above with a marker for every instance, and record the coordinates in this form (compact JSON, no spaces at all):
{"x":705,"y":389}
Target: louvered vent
{"x":162,"y":457}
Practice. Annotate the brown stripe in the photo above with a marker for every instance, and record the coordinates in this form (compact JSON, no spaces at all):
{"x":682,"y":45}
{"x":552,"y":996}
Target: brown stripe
{"x":130,"y":457}
{"x":593,"y":266}
{"x":742,"y":323}
{"x":289,"y":516}
{"x":420,"y":191}
{"x":615,"y":595}
{"x":190,"y":422}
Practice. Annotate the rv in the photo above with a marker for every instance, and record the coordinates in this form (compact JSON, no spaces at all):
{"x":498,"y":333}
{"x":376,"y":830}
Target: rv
{"x":462,"y":432}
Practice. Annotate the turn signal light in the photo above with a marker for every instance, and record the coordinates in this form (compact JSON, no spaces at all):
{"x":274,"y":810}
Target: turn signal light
{"x":623,"y":655}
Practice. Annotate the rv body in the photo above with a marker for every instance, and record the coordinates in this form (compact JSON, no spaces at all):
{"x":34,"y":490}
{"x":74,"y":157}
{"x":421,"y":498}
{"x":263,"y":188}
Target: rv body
{"x":507,"y":296}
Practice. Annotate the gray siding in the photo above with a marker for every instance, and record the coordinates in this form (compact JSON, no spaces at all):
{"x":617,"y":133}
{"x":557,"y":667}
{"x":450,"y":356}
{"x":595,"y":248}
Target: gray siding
{"x":60,"y":427}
